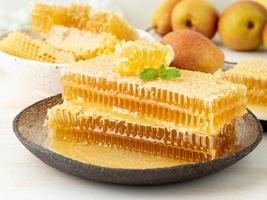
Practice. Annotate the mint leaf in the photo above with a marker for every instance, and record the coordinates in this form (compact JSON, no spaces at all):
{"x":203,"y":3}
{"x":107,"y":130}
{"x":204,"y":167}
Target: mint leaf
{"x":149,"y":74}
{"x":169,"y":74}
{"x":165,"y":73}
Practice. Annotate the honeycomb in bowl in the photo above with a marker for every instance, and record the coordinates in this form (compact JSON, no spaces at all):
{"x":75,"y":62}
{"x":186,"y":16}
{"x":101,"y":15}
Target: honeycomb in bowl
{"x":77,"y":15}
{"x":83,"y":44}
{"x":81,"y":16}
{"x":44,"y":16}
{"x":21,"y":45}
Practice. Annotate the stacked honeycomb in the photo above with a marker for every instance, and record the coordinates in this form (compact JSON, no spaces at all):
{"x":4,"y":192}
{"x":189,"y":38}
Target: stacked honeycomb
{"x":190,"y":118}
{"x":82,"y":44}
{"x":188,"y":101}
{"x":45,"y":16}
{"x":23,"y":46}
{"x":253,"y":74}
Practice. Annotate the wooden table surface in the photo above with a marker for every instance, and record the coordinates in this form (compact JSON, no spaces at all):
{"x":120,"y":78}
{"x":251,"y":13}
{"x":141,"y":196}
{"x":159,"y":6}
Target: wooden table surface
{"x":22,"y":176}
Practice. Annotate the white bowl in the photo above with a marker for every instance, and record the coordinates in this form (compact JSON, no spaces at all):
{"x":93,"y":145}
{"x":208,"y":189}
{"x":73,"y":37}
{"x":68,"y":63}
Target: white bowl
{"x":43,"y":77}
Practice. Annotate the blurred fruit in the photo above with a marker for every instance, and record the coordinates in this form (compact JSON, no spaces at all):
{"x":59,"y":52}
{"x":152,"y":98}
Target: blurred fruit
{"x":262,"y":2}
{"x":264,"y":35}
{"x":200,"y":16}
{"x":241,"y":25}
{"x":193,"y":51}
{"x":161,"y":19}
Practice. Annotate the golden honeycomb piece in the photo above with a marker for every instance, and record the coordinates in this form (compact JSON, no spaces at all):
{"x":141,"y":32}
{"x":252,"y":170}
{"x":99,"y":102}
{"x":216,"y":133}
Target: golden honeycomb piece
{"x":252,"y":73}
{"x":44,"y":16}
{"x":197,"y":101}
{"x":104,"y":21}
{"x":82,"y":44}
{"x":23,"y":46}
{"x":140,"y":54}
{"x":93,"y":125}
{"x":78,"y":15}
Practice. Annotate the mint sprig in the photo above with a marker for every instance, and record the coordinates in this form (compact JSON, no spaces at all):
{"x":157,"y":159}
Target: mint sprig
{"x":164,"y":73}
{"x":149,"y":74}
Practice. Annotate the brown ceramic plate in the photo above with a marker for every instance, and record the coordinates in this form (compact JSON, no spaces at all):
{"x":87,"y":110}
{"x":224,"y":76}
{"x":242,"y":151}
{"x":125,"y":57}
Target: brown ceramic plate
{"x":28,"y":127}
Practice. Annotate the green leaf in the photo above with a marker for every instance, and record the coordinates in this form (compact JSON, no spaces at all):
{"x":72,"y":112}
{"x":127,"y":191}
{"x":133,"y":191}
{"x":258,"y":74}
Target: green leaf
{"x":163,"y":72}
{"x":169,"y":74}
{"x":149,"y":74}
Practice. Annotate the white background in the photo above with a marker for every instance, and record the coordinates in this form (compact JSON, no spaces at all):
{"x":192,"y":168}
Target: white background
{"x":22,"y":176}
{"x":138,"y":12}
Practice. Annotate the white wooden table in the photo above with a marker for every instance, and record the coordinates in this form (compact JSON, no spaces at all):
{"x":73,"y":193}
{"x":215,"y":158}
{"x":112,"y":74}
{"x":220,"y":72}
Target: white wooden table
{"x":22,"y":176}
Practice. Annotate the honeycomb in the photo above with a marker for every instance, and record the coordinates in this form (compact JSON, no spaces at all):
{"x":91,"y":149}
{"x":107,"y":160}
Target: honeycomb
{"x":195,"y":100}
{"x":76,"y":123}
{"x":138,"y":55}
{"x":103,"y":21}
{"x":78,"y":15}
{"x":83,"y":44}
{"x":253,"y":74}
{"x":45,"y":16}
{"x":21,"y":45}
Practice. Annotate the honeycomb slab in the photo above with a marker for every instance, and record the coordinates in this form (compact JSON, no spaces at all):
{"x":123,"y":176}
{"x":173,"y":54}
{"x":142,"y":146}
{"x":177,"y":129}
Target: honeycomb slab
{"x":88,"y":124}
{"x":195,"y":100}
{"x":253,"y":74}
{"x":190,"y":118}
